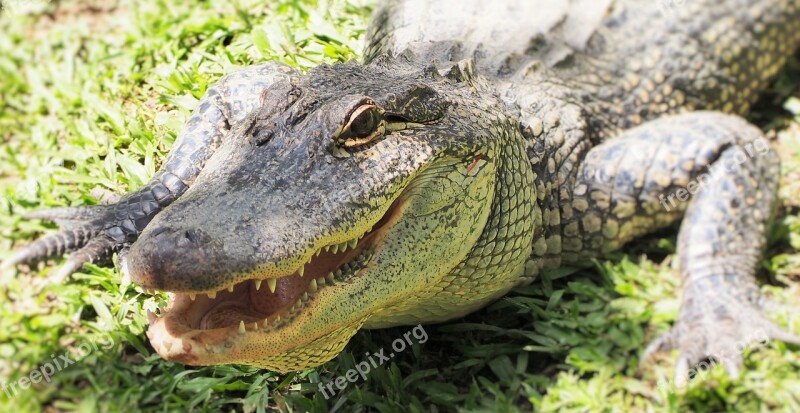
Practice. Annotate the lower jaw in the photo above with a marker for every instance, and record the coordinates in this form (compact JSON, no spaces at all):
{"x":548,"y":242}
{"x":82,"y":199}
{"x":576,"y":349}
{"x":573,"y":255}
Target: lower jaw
{"x":283,"y":352}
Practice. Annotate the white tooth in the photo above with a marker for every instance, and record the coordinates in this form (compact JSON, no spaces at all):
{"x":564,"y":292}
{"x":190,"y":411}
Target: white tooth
{"x":192,"y":296}
{"x":321,"y":280}
{"x":329,"y":276}
{"x":335,"y":249}
{"x":255,"y":325}
{"x":327,"y":248}
{"x":352,"y":243}
{"x":242,"y":329}
{"x":305,"y":296}
{"x":316,"y":254}
{"x":301,"y":271}
{"x":212,"y":295}
{"x":258,"y":284}
{"x":230,"y":289}
{"x":313,"y":286}
{"x":276,"y":320}
{"x":272,"y":283}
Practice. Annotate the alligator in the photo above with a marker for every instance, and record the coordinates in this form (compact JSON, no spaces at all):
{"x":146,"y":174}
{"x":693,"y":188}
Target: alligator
{"x":478,"y":145}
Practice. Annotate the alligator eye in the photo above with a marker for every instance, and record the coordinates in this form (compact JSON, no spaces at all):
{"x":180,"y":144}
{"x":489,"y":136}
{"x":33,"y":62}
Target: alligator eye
{"x":363,"y":125}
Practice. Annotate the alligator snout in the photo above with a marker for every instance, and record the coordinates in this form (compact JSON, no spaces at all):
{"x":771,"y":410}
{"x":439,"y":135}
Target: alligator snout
{"x":174,"y":258}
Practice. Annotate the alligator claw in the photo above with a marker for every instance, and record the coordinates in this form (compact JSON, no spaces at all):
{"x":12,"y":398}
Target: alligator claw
{"x":718,"y":322}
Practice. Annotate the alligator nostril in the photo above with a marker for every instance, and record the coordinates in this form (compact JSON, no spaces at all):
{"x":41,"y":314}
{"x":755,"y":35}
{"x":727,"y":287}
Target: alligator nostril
{"x":196,"y":236}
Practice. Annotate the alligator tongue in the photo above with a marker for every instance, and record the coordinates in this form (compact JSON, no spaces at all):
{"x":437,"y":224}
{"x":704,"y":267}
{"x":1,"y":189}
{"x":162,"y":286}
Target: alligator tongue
{"x":228,"y":314}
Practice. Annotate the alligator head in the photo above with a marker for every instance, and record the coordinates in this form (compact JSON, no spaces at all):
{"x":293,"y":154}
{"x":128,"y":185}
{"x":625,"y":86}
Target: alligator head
{"x":343,"y":202}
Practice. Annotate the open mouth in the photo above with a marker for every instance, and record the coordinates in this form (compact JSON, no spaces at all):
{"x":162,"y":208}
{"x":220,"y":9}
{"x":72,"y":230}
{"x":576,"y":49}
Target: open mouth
{"x":267,"y":304}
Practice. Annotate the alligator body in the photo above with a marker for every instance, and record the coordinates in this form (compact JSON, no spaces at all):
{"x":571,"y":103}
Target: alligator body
{"x":477,"y":145}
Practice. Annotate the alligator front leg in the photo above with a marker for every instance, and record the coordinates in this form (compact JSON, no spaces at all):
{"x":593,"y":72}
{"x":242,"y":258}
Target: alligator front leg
{"x":97,"y":230}
{"x":722,"y":174}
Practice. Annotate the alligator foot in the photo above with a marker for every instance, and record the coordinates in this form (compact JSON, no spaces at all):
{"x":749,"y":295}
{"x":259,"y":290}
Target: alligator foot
{"x":91,"y":232}
{"x":721,"y":316}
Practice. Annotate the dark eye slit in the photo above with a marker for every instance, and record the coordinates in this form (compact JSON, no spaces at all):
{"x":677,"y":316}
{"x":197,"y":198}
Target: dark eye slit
{"x":393,"y":117}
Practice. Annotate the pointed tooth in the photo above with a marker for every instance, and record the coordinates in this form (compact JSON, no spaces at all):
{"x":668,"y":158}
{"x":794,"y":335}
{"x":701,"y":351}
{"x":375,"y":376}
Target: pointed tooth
{"x":329,"y":276}
{"x":212,"y":295}
{"x":335,"y":249}
{"x":305,"y":296}
{"x":276,"y":320}
{"x":255,"y":325}
{"x":319,"y":251}
{"x":338,"y":273}
{"x":352,"y":243}
{"x":313,"y":286}
{"x":301,"y":271}
{"x":192,"y":296}
{"x":272,"y":283}
{"x":327,"y":248}
{"x":258,"y":284}
{"x":242,"y":328}
{"x":230,"y":289}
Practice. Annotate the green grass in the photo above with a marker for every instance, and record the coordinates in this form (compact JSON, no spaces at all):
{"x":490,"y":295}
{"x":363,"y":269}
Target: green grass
{"x":91,"y":99}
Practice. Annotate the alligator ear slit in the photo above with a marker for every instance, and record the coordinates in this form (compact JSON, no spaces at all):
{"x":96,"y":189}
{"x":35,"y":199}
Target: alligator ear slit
{"x":395,"y":118}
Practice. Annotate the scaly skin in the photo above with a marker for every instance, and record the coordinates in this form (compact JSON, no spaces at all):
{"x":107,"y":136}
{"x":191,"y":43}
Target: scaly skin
{"x":525,"y":145}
